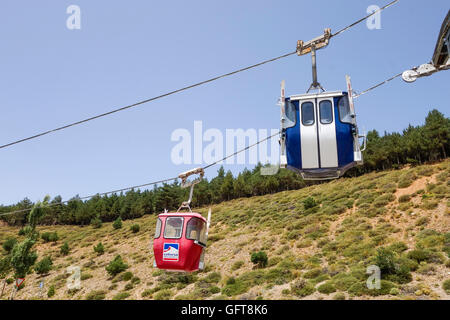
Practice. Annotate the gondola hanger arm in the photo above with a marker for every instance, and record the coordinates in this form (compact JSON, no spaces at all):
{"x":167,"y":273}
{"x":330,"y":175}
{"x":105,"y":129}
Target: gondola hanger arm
{"x":185,"y":175}
{"x":186,"y":184}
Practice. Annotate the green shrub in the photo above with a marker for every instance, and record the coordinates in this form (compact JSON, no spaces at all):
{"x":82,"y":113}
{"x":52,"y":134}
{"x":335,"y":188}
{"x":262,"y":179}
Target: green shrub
{"x":430,"y":204}
{"x":235,"y":287}
{"x":5,"y":266}
{"x":393,"y":268}
{"x":135,"y":280}
{"x":51,"y":291}
{"x":44,"y":266}
{"x":301,"y":288}
{"x":398,"y":247}
{"x":386,"y":287}
{"x":404,"y":183}
{"x":385,"y":260}
{"x":213,"y":277}
{"x":309,"y":203}
{"x":339,"y":296}
{"x":163,"y":295}
{"x":237,"y":265}
{"x":425,"y":171}
{"x":99,"y":249}
{"x":320,"y":278}
{"x":360,"y":288}
{"x":214,"y":290}
{"x":259,"y":258}
{"x":285,"y":292}
{"x":313,"y":273}
{"x":50,"y":237}
{"x":147,"y":293}
{"x":406,"y":179}
{"x":394,"y":292}
{"x":402,"y":274}
{"x":446,"y":286}
{"x":96,"y":223}
{"x":404,"y":198}
{"x":411,"y":264}
{"x":326,"y":288}
{"x":383,"y":200}
{"x":419,"y":255}
{"x":343,"y":281}
{"x":405,"y":206}
{"x":422,"y":221}
{"x":389,"y":188}
{"x":9,"y":244}
{"x":426,"y":269}
{"x":274,"y":261}
{"x":121,"y":296}
{"x":135,"y":228}
{"x":85,"y":276}
{"x":72,"y":292}
{"x":294,"y":234}
{"x":96,"y":295}
{"x":117,"y":223}
{"x":175,"y":278}
{"x":278,"y":276}
{"x":446,"y":248}
{"x":215,"y":237}
{"x":64,"y":250}
{"x":128,"y":286}
{"x":116,"y":266}
{"x":126,"y":276}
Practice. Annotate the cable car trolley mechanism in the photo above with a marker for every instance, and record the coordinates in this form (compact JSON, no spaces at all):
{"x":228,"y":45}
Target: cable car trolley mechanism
{"x":319,"y":136}
{"x":440,"y":60}
{"x":180,"y":237}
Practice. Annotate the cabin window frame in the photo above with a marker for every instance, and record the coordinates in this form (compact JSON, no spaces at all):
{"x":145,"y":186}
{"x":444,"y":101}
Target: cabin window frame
{"x":290,"y":113}
{"x":201,"y":236}
{"x":158,"y":228}
{"x":320,"y":112}
{"x":165,"y":227}
{"x":313,"y":113}
{"x":349,"y":110}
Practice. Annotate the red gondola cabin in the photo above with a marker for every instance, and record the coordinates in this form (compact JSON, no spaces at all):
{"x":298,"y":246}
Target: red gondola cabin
{"x":180,"y":240}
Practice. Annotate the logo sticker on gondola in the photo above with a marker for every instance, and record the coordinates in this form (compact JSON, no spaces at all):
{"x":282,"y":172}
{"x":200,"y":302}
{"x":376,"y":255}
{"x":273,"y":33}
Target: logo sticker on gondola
{"x":171,"y":251}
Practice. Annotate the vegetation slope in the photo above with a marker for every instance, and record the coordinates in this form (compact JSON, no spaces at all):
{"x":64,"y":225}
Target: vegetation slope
{"x":319,"y":241}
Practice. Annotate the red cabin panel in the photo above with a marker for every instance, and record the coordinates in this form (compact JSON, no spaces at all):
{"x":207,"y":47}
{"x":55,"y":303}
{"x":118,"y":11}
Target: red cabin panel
{"x":178,"y":243}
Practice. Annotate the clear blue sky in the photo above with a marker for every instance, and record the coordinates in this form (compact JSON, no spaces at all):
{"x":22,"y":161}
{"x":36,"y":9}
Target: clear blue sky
{"x":128,"y":51}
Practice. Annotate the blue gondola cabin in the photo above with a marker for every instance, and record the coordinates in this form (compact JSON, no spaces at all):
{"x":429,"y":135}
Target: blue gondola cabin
{"x":319,"y":135}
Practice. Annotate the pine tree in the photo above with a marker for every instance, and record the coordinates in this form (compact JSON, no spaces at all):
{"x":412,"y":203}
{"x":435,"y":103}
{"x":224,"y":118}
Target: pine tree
{"x":22,"y":257}
{"x":437,"y":133}
{"x":226,"y":189}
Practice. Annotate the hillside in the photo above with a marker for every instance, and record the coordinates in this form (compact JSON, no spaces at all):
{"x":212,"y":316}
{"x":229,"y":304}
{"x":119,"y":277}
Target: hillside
{"x":317,"y":249}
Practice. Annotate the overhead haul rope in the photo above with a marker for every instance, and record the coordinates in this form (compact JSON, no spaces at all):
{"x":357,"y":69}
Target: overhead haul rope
{"x":186,"y":88}
{"x":378,"y":85}
{"x":146,"y":184}
{"x":365,"y":18}
{"x":91,"y":196}
{"x":146,"y":101}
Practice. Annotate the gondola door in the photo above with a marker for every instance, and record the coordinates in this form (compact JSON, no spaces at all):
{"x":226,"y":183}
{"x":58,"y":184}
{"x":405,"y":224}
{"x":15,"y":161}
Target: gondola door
{"x":326,"y":129}
{"x":318,"y":133}
{"x":308,"y":134}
